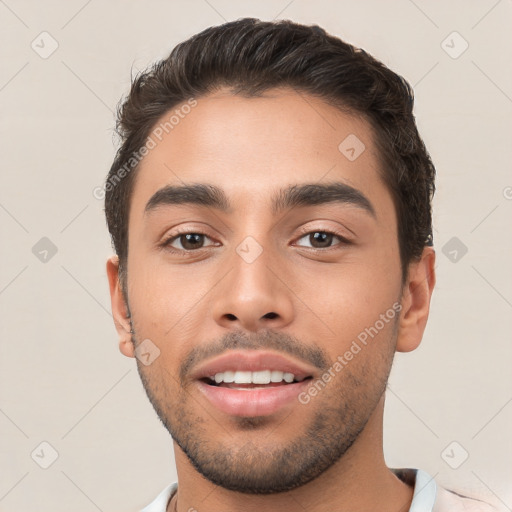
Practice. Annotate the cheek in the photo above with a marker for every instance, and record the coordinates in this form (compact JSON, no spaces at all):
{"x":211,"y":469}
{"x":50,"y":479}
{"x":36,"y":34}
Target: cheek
{"x":361,"y":285}
{"x":350,"y":300}
{"x":168,"y":302}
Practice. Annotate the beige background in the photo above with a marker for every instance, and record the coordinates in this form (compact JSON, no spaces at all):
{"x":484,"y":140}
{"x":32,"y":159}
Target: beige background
{"x":62,"y":379}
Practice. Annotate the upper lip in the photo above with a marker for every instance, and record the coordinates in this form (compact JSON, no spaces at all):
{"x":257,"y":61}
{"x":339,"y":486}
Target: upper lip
{"x":252,"y":360}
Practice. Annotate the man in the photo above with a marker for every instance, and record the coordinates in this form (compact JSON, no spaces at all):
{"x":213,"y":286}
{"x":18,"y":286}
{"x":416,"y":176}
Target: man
{"x":270,"y":209}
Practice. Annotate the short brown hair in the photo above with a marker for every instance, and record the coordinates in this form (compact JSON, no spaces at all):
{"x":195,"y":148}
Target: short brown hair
{"x":249,"y":57}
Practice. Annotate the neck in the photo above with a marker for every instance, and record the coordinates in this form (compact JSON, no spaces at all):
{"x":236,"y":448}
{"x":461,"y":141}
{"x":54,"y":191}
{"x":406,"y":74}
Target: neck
{"x":358,"y":482}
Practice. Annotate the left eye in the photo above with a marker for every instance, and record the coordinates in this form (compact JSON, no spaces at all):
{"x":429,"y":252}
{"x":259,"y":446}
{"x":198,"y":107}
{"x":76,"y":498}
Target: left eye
{"x":188,"y":241}
{"x":320,"y":239}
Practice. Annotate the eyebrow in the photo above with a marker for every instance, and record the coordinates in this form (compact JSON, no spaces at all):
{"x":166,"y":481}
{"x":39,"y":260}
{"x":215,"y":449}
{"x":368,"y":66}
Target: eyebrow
{"x":309,"y":194}
{"x":200,"y":194}
{"x":315,"y":194}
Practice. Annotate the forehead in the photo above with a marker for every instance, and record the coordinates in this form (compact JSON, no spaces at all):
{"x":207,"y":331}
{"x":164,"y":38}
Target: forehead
{"x":253,"y":147}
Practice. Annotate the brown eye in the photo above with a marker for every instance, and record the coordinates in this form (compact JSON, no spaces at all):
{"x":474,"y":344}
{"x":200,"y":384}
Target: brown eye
{"x":188,"y":241}
{"x":320,"y":239}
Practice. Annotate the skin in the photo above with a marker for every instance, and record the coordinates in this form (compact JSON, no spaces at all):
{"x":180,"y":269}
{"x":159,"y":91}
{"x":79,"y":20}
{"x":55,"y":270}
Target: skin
{"x":323,"y":299}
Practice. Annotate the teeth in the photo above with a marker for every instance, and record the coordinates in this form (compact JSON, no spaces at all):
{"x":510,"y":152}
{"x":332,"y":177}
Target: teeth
{"x":228,"y":377}
{"x":288,"y":377}
{"x":259,"y":377}
{"x":276,"y":376}
{"x":262,"y":377}
{"x":241,"y":377}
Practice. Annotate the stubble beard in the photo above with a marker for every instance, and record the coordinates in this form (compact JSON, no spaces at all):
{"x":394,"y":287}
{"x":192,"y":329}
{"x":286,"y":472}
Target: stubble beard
{"x":338,"y":415}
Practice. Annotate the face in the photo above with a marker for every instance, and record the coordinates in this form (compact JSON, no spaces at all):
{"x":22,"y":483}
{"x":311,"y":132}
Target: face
{"x":263,"y":265}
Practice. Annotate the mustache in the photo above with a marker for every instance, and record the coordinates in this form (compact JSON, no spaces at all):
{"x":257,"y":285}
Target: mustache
{"x":280,"y":342}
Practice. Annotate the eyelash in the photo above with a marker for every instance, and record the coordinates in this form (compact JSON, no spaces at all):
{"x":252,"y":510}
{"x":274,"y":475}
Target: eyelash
{"x":341,"y":238}
{"x":166,"y":244}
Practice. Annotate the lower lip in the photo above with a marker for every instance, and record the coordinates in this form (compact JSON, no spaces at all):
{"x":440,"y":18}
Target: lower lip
{"x":252,"y":402}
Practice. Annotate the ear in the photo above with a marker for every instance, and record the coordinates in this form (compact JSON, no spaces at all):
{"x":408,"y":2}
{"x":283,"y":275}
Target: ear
{"x":119,"y":308}
{"x":416,"y":301}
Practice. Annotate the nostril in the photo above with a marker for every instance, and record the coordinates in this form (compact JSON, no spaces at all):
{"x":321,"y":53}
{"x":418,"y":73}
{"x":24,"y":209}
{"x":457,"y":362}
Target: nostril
{"x":230,"y":316}
{"x":270,"y":315}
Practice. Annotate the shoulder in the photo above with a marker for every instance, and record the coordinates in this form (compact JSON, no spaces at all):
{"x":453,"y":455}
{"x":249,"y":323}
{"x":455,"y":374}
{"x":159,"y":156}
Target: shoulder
{"x":451,"y":501}
{"x":432,"y":497}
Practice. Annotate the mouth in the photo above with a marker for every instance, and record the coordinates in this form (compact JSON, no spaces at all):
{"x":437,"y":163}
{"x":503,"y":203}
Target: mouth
{"x":253,"y":383}
{"x":245,"y":380}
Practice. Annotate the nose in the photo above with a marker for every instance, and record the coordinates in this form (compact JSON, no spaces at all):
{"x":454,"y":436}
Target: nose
{"x":253,"y":296}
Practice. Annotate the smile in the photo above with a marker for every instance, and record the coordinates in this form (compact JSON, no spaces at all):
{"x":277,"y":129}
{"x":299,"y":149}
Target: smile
{"x":253,"y":383}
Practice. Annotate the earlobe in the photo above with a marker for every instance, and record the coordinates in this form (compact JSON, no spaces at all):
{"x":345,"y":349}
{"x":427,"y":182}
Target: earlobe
{"x":416,"y":301}
{"x":120,"y":312}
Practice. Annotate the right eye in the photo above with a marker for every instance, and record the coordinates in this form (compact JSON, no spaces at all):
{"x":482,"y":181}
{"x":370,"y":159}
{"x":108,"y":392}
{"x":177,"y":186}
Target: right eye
{"x":187,"y":241}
